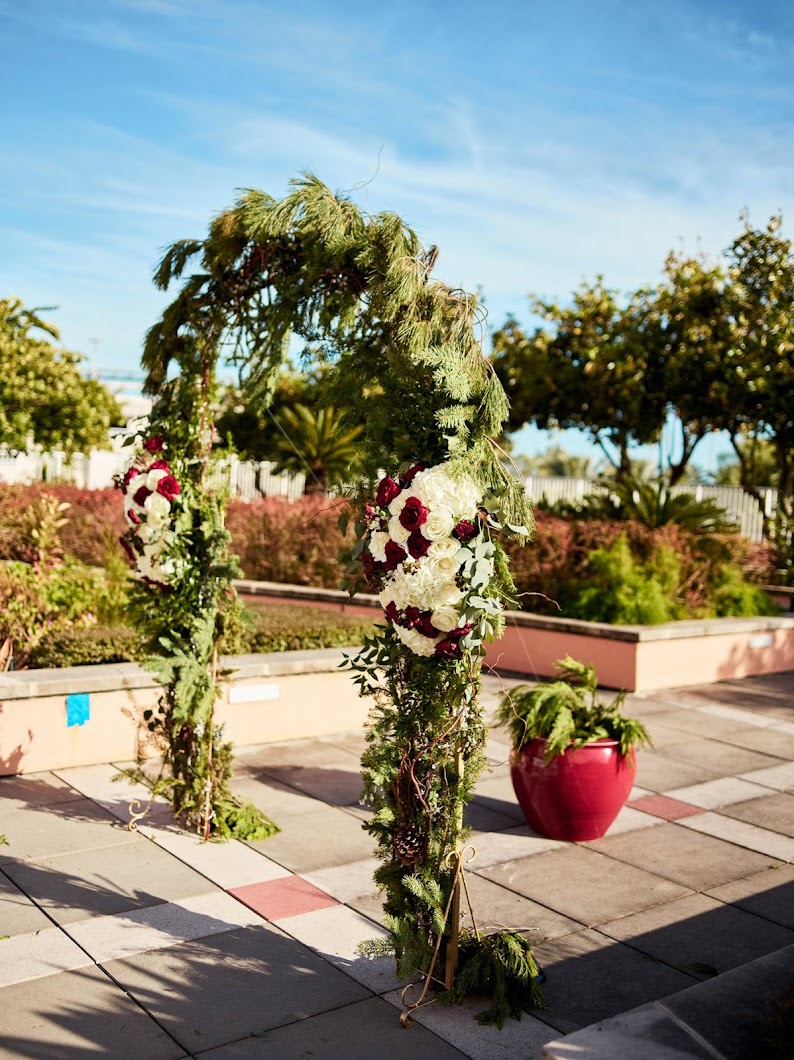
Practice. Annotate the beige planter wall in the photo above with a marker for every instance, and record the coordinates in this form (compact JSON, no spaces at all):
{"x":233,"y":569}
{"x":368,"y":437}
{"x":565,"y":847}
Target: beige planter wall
{"x":273,"y":697}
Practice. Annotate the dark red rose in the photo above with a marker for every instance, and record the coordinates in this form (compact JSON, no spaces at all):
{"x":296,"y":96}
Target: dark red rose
{"x":391,"y":611}
{"x":408,"y":476}
{"x":426,"y":627}
{"x":129,"y":475}
{"x":418,"y":544}
{"x":141,"y":494}
{"x":371,"y":568}
{"x":411,"y":618}
{"x":128,"y":549}
{"x":388,"y":489}
{"x":464,"y":531}
{"x":168,"y":487}
{"x":449,"y":648}
{"x":461,"y":631}
{"x":160,"y":465}
{"x":134,"y":517}
{"x":395,"y":555}
{"x":154,"y":444}
{"x":414,"y":514}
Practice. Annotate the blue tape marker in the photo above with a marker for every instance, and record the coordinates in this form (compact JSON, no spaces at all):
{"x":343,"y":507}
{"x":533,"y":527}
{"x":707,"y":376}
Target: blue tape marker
{"x":78,"y":709}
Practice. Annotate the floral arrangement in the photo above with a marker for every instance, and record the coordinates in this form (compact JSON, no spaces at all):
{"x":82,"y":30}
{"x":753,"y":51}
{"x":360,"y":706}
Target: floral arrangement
{"x":150,"y":490}
{"x":424,"y":547}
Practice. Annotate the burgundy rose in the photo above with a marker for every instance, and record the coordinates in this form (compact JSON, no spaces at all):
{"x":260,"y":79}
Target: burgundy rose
{"x":412,"y":618}
{"x":141,"y":494}
{"x":464,"y":531}
{"x":168,"y":487}
{"x":426,"y":627}
{"x":449,"y":648}
{"x":134,"y":517}
{"x":371,"y":568}
{"x":129,"y":475}
{"x":414,"y":514}
{"x":388,"y":489}
{"x":391,"y":611}
{"x":418,"y":544}
{"x":395,"y":555}
{"x":160,"y":465}
{"x":128,"y":549}
{"x":154,"y":444}
{"x":408,"y":476}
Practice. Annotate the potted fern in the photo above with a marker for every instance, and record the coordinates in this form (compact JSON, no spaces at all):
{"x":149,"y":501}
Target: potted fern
{"x":573,"y":761}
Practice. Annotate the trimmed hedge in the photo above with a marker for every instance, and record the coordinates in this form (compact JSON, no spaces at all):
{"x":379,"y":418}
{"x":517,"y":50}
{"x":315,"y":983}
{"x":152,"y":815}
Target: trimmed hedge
{"x":275,"y":627}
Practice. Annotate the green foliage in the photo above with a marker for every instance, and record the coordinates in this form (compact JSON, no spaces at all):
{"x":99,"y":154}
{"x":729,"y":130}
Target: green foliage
{"x":499,"y":966}
{"x":568,"y":713}
{"x":43,"y":395}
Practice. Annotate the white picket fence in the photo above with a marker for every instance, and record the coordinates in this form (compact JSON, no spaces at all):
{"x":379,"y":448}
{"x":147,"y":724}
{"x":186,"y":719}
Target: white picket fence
{"x":247,"y":479}
{"x":741,"y":508}
{"x":250,"y":479}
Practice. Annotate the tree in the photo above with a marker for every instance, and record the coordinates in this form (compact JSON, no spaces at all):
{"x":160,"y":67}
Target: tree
{"x":594,"y":371}
{"x":758,"y":466}
{"x":761,"y":379}
{"x":44,"y":399}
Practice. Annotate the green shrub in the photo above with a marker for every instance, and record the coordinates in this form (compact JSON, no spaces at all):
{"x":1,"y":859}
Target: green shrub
{"x":623,"y":591}
{"x":295,"y":627}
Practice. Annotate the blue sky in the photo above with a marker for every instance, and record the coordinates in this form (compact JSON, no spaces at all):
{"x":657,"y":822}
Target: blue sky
{"x":537,"y":144}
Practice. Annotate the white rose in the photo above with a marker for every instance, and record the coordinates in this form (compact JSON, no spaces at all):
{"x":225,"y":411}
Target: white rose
{"x":377,"y":546}
{"x":146,"y":533}
{"x":156,"y":504}
{"x":135,"y":484}
{"x":449,"y":593}
{"x":445,"y":618}
{"x":447,"y":546}
{"x":444,"y":566}
{"x":154,"y":477}
{"x":439,"y":524}
{"x":398,"y":503}
{"x":397,"y":531}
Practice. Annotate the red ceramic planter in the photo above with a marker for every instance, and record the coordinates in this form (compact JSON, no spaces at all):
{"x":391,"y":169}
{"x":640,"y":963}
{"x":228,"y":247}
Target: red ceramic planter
{"x":578,"y":794}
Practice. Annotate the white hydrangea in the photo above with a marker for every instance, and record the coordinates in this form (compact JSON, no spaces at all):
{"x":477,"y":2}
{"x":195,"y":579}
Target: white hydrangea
{"x":415,"y":588}
{"x":436,"y":488}
{"x":417,"y":642}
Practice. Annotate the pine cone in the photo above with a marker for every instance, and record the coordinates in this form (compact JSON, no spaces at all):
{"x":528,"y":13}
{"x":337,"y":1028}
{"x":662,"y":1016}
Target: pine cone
{"x":410,"y":844}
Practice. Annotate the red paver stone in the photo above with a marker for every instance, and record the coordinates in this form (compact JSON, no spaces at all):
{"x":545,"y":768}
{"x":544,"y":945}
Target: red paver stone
{"x":277,"y":899}
{"x":663,"y":806}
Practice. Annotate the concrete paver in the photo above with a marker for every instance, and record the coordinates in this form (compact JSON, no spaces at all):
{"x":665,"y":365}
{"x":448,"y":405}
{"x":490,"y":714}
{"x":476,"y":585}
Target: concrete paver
{"x":676,"y":852}
{"x":615,"y":923}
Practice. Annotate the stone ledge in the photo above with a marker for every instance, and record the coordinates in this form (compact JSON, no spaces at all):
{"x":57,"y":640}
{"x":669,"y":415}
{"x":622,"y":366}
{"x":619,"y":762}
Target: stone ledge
{"x":112,"y":677}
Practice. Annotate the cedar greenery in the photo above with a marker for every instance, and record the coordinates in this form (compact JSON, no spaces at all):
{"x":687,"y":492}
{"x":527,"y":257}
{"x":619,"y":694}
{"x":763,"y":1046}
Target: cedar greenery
{"x":568,"y":713}
{"x":403,"y":362}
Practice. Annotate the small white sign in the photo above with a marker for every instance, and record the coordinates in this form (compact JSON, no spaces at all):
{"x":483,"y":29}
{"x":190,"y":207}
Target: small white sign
{"x":253,"y":693}
{"x":761,"y":640}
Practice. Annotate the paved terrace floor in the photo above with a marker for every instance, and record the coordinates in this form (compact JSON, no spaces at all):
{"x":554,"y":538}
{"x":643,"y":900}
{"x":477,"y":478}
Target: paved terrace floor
{"x":152,"y":945}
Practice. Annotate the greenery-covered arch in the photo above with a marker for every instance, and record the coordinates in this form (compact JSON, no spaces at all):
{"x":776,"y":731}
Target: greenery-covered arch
{"x":403,"y":354}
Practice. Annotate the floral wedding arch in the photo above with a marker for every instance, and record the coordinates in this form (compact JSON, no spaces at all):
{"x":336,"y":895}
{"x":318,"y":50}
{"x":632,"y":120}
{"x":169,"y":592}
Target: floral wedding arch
{"x":402,"y":349}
